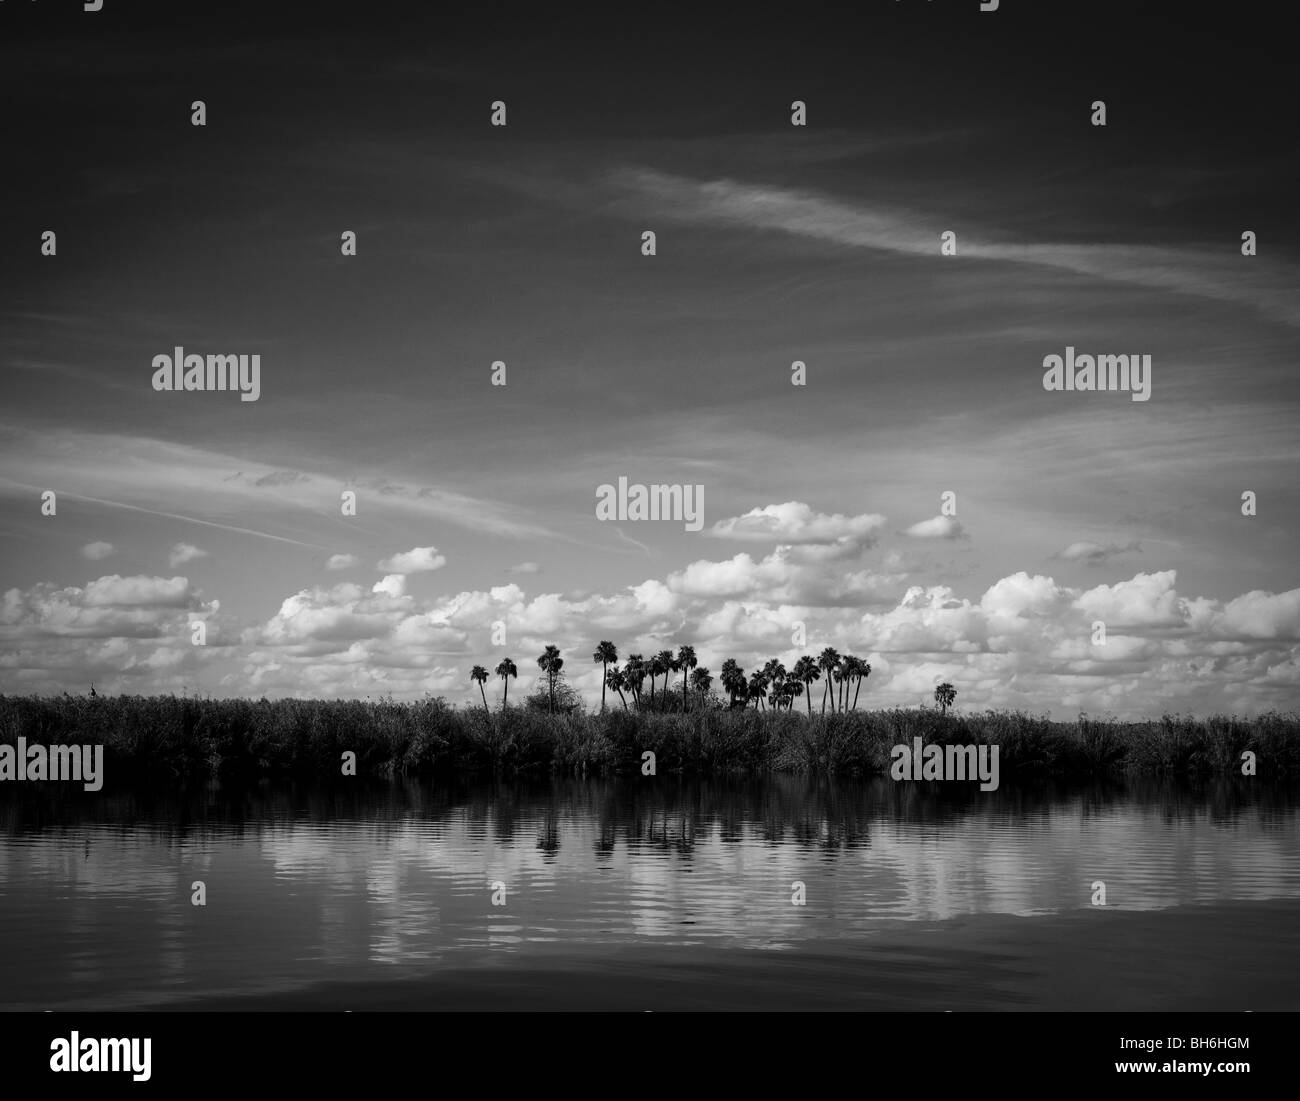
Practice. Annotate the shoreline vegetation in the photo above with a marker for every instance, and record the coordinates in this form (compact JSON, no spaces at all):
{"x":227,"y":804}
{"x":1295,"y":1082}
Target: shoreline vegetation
{"x":189,"y":738}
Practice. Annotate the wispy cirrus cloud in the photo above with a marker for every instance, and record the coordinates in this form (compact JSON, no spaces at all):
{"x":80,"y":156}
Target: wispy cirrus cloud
{"x":1097,"y":554}
{"x":210,"y":487}
{"x":1208,"y":273}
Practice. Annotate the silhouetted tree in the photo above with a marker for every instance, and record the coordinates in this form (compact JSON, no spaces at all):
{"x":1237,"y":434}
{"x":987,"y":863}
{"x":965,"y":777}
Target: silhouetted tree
{"x":606,"y":654}
{"x":480,"y":676}
{"x":505,"y":670}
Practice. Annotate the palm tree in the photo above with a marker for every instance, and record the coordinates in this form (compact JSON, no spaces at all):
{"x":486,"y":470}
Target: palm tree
{"x":701,"y":680}
{"x":758,"y":689}
{"x":551,"y":663}
{"x":634,"y":671}
{"x":793,"y":689}
{"x":944,"y":696}
{"x":606,"y":655}
{"x":843,"y":673}
{"x":632,"y":682}
{"x":480,"y":675}
{"x":733,"y":679}
{"x":805,"y":671}
{"x":505,"y":671}
{"x":613,"y":678}
{"x":826,"y":662}
{"x":862,"y":672}
{"x":685,"y":662}
{"x":666,"y":666}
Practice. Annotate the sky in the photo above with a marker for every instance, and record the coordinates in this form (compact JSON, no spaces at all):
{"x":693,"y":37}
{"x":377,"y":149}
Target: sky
{"x":822,"y":503}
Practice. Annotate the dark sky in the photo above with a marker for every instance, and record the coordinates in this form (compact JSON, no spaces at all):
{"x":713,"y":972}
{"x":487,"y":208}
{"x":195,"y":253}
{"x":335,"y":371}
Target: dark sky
{"x":775,"y":243}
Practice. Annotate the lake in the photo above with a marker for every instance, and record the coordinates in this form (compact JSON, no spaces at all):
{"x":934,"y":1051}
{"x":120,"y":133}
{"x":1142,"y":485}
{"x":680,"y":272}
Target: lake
{"x":653,"y":893}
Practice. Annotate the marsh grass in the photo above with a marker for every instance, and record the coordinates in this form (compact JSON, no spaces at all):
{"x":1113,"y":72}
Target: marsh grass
{"x":189,"y":738}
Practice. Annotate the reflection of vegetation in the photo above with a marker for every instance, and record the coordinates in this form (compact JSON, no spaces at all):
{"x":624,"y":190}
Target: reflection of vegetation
{"x":671,"y":814}
{"x":192,"y":738}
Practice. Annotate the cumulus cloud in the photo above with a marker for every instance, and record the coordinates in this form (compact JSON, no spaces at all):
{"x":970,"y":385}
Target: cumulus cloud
{"x":184,"y":552}
{"x":124,"y":633}
{"x":416,"y":560}
{"x":97,"y":551}
{"x":796,"y":522}
{"x":1148,"y":600}
{"x":1026,"y":641}
{"x":341,"y":561}
{"x":392,"y":585}
{"x":940,"y":527}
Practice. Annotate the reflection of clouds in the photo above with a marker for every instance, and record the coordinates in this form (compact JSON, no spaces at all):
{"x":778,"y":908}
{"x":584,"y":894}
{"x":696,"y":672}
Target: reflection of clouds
{"x":293,"y":900}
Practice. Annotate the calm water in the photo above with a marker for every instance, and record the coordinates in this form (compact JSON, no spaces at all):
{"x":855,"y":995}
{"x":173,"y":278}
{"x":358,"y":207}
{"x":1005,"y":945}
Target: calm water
{"x":366,"y":884}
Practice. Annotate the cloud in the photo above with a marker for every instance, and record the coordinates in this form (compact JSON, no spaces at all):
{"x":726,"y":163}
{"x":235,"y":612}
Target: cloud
{"x":341,"y":561}
{"x":525,"y":568}
{"x":392,"y":585}
{"x":1203,"y":273}
{"x":162,"y":478}
{"x":1260,"y":615}
{"x":940,"y":527}
{"x":184,"y":552}
{"x":796,"y":522}
{"x":110,"y":607}
{"x":1148,"y":600}
{"x":416,"y":560}
{"x":1025,"y":642}
{"x":98,"y":550}
{"x":1097,"y":554}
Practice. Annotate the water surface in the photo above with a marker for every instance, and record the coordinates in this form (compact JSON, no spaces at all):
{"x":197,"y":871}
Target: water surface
{"x":370,"y":884}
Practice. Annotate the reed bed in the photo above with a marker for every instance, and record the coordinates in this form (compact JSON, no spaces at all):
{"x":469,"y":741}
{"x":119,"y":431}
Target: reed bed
{"x":187,"y":737}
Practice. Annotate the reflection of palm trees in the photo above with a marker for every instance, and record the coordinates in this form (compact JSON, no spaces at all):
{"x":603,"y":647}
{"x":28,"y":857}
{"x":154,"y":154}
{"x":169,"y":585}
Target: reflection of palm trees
{"x":606,"y":655}
{"x":505,"y":671}
{"x":480,"y":675}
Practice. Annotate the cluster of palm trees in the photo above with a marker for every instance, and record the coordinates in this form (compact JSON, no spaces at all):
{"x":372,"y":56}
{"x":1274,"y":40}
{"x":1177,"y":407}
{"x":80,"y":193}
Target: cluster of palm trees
{"x":772,"y":686}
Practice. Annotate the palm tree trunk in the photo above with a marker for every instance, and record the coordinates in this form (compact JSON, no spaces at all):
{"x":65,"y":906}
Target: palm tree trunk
{"x":483,"y":694}
{"x":825,"y":688}
{"x":856,"y":689}
{"x":622,"y":697}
